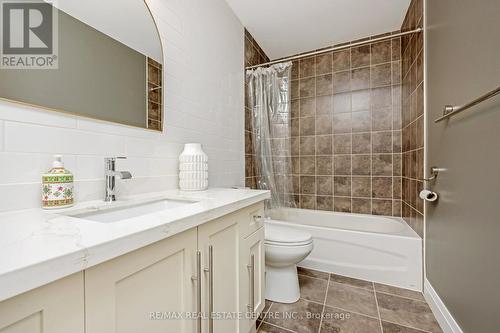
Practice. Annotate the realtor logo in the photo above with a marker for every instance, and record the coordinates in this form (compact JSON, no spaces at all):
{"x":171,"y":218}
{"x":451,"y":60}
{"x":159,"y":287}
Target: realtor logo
{"x":29,"y":35}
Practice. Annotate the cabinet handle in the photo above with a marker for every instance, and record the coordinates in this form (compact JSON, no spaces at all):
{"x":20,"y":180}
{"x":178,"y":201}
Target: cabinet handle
{"x":210,"y":271}
{"x":197,"y":278}
{"x":257,"y":218}
{"x":251,"y":268}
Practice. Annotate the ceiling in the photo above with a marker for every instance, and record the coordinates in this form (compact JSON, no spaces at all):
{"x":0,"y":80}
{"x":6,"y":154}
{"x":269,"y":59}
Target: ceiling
{"x":287,"y":27}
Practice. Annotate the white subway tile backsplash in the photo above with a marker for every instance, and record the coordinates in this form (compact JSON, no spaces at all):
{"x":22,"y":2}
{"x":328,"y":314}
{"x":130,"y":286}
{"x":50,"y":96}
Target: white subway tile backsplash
{"x":92,"y":167}
{"x":21,"y":137}
{"x":89,"y":167}
{"x":169,"y":149}
{"x":20,"y":196}
{"x":27,"y":114}
{"x":151,"y":167}
{"x":110,"y":128}
{"x":86,"y":190}
{"x":1,"y":135}
{"x":28,"y":167}
{"x":203,"y":98}
{"x":140,"y":147}
{"x":145,"y":185}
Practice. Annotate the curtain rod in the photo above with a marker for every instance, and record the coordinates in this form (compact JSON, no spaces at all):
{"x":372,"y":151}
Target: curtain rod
{"x":336,"y":48}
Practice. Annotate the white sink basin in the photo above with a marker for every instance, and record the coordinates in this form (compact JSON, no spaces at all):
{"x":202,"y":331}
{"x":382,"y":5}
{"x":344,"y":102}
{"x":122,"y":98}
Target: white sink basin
{"x":106,"y":214}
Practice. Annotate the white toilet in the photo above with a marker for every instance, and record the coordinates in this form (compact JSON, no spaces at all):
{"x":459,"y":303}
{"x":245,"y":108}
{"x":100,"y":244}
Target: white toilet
{"x":285,"y":247}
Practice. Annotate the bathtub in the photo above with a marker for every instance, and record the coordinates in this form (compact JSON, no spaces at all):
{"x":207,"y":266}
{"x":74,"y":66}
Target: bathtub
{"x":375,"y":248}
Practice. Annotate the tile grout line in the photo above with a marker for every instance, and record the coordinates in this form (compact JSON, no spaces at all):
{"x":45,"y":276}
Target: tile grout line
{"x":378,"y":309}
{"x":390,"y":62}
{"x":315,"y":204}
{"x":346,"y":133}
{"x":357,"y":287}
{"x":324,"y":304}
{"x":351,"y":133}
{"x":396,"y":295}
{"x":406,"y":326}
{"x":350,"y":311}
{"x":346,"y":69}
{"x":315,"y":133}
{"x":265,"y":315}
{"x":313,"y":277}
{"x":378,"y":291}
{"x":392,"y":143}
{"x":371,"y":134}
{"x":3,"y":138}
{"x":330,"y":283}
{"x":281,"y":328}
{"x":310,"y":301}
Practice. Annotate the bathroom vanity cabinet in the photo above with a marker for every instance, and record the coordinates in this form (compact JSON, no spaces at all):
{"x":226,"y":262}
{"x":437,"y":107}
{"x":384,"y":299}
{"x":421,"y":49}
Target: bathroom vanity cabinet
{"x":252,"y":286}
{"x":57,"y":307}
{"x":156,"y":288}
{"x":121,"y":294}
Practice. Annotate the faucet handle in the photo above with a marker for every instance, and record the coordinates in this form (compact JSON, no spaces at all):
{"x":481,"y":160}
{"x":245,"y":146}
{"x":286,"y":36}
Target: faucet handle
{"x":115,"y":158}
{"x":124,"y":175}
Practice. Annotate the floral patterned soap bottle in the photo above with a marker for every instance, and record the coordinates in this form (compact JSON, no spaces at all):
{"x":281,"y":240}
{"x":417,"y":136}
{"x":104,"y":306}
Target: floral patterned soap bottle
{"x":57,"y":186}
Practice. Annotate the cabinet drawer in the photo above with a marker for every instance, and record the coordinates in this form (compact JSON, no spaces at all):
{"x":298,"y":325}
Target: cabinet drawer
{"x":252,"y":218}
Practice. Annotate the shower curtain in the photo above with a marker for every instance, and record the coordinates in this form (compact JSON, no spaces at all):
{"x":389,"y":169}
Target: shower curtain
{"x":268,"y":92}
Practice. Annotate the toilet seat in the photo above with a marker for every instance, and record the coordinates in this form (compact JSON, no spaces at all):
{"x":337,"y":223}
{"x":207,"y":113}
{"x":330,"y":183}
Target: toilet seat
{"x":288,"y":244}
{"x":283,"y":236}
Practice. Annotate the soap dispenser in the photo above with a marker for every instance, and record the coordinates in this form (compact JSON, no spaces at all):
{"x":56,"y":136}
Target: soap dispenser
{"x":57,"y":186}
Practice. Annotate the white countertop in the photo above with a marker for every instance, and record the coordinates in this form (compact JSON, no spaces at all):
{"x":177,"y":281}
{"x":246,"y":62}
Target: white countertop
{"x":39,"y":246}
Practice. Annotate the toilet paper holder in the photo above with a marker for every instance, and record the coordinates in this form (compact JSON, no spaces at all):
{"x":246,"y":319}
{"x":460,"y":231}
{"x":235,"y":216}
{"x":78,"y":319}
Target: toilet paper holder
{"x":434,"y":174}
{"x":427,"y":195}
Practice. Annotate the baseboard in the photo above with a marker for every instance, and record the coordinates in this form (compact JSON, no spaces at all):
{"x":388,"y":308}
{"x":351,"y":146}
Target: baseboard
{"x":443,"y":316}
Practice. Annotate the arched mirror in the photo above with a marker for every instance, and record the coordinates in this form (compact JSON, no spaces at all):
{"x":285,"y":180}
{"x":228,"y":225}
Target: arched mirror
{"x":92,"y":58}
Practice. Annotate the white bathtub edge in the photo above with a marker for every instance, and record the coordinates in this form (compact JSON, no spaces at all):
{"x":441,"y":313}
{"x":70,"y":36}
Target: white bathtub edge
{"x":443,"y":316}
{"x":395,"y":258}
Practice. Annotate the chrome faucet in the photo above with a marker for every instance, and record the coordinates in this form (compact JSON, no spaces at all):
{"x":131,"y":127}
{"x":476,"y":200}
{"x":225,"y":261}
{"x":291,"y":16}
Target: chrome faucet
{"x":110,"y":175}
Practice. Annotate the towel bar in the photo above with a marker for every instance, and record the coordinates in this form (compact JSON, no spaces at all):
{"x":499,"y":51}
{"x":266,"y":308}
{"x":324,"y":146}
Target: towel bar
{"x":450,"y":110}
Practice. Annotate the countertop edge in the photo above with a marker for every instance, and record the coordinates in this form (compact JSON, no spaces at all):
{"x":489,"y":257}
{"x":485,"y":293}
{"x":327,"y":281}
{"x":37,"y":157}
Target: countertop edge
{"x":28,"y":278}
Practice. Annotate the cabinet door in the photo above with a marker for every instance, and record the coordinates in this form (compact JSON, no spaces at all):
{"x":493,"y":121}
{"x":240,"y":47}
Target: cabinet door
{"x":252,"y":287}
{"x":222,"y":291}
{"x":57,"y":307}
{"x":142,"y":290}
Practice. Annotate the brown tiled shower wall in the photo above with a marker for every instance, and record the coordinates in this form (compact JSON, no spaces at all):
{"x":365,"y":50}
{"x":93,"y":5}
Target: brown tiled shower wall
{"x":349,"y":113}
{"x":254,"y":55}
{"x":346,"y":129}
{"x":413,"y":117}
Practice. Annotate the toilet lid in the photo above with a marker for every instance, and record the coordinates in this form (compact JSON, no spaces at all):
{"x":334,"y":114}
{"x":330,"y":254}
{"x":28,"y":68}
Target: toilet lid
{"x":281,"y":234}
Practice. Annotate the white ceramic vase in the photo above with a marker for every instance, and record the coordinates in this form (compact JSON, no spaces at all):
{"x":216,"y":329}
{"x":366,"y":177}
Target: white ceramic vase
{"x":193,"y":168}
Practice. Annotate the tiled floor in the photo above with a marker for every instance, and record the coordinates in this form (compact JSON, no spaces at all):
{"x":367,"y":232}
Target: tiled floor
{"x":332,"y":303}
